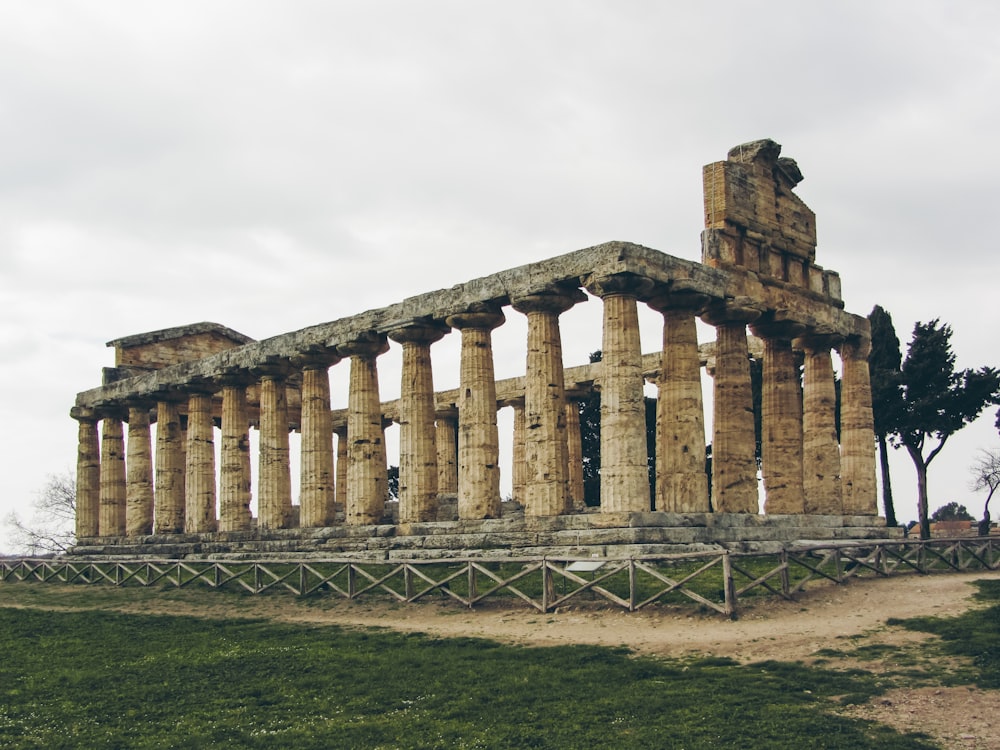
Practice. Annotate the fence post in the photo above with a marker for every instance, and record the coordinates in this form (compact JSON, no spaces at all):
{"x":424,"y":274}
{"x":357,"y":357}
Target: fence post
{"x":632,"y":593}
{"x":407,"y":582}
{"x":471,"y":572}
{"x":728,"y":585}
{"x":785,"y":583}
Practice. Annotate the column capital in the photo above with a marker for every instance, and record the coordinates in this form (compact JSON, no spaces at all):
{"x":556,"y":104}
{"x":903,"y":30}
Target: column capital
{"x":84,"y":414}
{"x":483,"y":315}
{"x":859,"y":347}
{"x":732,"y":310}
{"x":780,"y":325}
{"x":368,"y":344}
{"x":273,"y":368}
{"x":554,"y":299}
{"x":316,"y":358}
{"x":679,"y":294}
{"x":817,"y":339}
{"x":618,"y":283}
{"x":420,"y":332}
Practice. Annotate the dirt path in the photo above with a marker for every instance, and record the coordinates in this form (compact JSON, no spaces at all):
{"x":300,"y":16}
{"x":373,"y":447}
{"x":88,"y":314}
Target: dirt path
{"x":826,"y":616}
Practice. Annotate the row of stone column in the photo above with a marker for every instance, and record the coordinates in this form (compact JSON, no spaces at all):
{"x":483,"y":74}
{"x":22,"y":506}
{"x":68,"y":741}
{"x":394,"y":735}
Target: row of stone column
{"x":804,"y":468}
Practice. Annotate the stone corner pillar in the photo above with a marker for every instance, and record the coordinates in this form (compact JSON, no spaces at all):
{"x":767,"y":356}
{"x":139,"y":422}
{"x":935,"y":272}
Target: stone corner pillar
{"x":624,"y":455}
{"x":367,"y":479}
{"x":88,"y":473}
{"x":857,"y":429}
{"x":139,"y":472}
{"x":546,"y":453}
{"x":418,"y":463}
{"x":821,"y":480}
{"x":478,"y":438}
{"x":734,"y":462}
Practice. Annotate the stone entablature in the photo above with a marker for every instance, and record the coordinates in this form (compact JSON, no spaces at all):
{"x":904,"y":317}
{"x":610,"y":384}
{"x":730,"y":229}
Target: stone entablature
{"x":758,"y":270}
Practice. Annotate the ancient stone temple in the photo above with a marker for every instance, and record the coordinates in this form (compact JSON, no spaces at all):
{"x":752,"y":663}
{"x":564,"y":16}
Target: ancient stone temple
{"x":181,"y":494}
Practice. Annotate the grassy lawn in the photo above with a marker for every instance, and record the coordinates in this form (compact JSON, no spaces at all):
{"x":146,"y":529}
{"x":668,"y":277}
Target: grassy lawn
{"x":98,"y":679}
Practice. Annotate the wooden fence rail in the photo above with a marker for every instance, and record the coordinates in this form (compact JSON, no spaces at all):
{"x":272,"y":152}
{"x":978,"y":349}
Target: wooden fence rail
{"x":717,"y":581}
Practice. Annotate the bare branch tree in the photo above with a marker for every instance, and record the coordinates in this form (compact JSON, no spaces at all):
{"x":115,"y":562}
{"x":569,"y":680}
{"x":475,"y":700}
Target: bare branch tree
{"x":50,"y":528}
{"x":986,"y":478}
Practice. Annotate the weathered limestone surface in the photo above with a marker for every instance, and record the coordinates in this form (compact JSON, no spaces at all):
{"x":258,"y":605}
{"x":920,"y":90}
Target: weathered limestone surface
{"x":624,"y":470}
{"x":857,"y":458}
{"x":168,"y":511}
{"x":574,"y":455}
{"x":275,"y":488}
{"x":199,"y":506}
{"x":112,"y":503}
{"x":519,"y":471}
{"x":821,"y":472}
{"x":367,"y":482}
{"x":139,"y":474}
{"x":234,"y":470}
{"x":88,"y":474}
{"x":316,"y":485}
{"x":340,"y":488}
{"x":446,"y":442}
{"x":418,"y":471}
{"x":478,"y":440}
{"x":681,"y":481}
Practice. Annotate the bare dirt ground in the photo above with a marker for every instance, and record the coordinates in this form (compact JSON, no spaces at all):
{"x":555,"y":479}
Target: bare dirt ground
{"x":824,"y":617}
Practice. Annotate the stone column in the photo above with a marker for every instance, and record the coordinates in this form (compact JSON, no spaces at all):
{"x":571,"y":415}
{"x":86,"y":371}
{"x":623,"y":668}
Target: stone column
{"x":519,"y":473}
{"x":734,"y":464}
{"x":821,"y":453}
{"x":275,"y":479}
{"x":574,"y":455}
{"x":446,"y":442}
{"x":857,"y":429}
{"x":781,"y":418}
{"x":340,"y":487}
{"x":139,"y":473}
{"x":624,"y":459}
{"x":112,"y":501}
{"x":234,"y":469}
{"x":317,"y":490}
{"x":199,"y":494}
{"x":168,"y":509}
{"x":367,"y":483}
{"x":545,"y":454}
{"x":88,"y":473}
{"x":418,"y":471}
{"x":681,"y":480}
{"x":478,"y":439}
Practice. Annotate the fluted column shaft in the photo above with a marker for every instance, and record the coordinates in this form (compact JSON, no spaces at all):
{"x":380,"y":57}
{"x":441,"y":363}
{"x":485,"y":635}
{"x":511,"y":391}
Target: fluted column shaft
{"x":681,"y":480}
{"x":112,"y":500}
{"x":168,"y":509}
{"x":199,"y":494}
{"x":574,"y":455}
{"x":234,"y":469}
{"x":734,"y":463}
{"x":624,"y":458}
{"x":418,"y":470}
{"x":317,"y":490}
{"x":88,"y":477}
{"x":340,"y":487}
{"x":545,"y":452}
{"x":275,"y":482}
{"x":781,"y":421}
{"x":519,"y":472}
{"x":446,"y":442}
{"x":139,"y":474}
{"x":857,"y":430}
{"x":478,"y":438}
{"x":367,"y":481}
{"x":821,"y":453}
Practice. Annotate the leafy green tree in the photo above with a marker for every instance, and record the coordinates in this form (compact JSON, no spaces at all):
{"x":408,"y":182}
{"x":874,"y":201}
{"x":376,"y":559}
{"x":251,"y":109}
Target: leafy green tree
{"x":887,"y":395}
{"x":937,"y":401}
{"x":986,"y":478}
{"x":952,"y":512}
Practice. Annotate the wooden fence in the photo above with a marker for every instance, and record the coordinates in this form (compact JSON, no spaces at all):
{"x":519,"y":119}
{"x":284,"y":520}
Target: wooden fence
{"x":717,"y":581}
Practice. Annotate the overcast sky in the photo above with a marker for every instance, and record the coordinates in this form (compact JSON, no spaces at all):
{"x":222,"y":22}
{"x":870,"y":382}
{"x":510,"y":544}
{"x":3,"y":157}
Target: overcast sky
{"x":269,"y":166}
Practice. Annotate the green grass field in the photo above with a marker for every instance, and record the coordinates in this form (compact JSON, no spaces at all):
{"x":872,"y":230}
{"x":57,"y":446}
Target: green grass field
{"x":98,"y":679}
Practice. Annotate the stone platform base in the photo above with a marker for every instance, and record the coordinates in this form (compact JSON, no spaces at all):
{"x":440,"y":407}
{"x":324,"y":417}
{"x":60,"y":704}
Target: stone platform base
{"x":585,"y":534}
